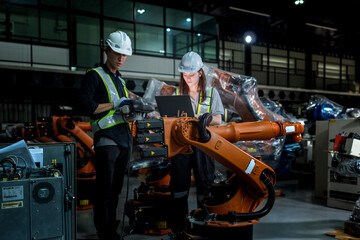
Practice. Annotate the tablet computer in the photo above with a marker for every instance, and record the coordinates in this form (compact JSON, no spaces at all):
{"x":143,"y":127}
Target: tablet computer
{"x":175,"y":105}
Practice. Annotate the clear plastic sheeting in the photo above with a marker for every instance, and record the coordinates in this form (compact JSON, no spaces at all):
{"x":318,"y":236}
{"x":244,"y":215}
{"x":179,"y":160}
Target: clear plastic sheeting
{"x":239,"y":95}
{"x":275,"y":107}
{"x":355,"y":214}
{"x":345,"y":165}
{"x":344,"y":162}
{"x":269,"y":150}
{"x":321,"y":108}
{"x":156,"y":88}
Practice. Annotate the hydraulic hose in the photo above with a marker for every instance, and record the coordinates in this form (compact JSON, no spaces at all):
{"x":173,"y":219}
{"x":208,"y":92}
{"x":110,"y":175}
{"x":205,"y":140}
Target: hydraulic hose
{"x":204,"y":120}
{"x":233,"y":216}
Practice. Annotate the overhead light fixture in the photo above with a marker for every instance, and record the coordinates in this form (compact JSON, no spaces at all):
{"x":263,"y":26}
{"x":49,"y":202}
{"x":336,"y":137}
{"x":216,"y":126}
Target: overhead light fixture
{"x":141,"y":11}
{"x":322,"y":27}
{"x":199,"y":34}
{"x":250,"y":12}
{"x":188,"y":19}
{"x":168,"y":29}
{"x":249,"y":37}
{"x":299,"y":2}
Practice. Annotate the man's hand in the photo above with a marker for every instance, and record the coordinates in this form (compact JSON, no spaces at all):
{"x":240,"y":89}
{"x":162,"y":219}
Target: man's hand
{"x":118,"y":103}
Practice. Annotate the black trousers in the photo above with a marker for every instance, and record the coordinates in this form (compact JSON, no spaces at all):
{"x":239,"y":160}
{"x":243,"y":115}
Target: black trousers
{"x":203,"y":168}
{"x":110,"y":165}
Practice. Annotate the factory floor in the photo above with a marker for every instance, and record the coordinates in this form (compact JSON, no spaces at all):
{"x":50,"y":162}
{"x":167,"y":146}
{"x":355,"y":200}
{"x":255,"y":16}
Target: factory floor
{"x":295,"y":215}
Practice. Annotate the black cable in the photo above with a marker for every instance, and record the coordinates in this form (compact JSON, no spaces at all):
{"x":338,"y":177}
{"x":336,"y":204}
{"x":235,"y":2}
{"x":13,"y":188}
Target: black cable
{"x":9,"y":160}
{"x":19,"y":157}
{"x":233,"y":216}
{"x":128,"y":181}
{"x":204,"y":121}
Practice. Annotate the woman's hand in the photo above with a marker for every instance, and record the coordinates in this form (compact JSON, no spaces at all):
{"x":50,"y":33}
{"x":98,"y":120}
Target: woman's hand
{"x":216,"y":120}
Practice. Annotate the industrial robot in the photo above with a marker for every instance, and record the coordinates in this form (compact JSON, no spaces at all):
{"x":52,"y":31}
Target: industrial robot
{"x":233,"y":207}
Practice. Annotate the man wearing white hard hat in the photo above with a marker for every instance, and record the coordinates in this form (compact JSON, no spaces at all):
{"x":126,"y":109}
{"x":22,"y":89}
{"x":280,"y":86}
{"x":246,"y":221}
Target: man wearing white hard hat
{"x":103,"y":92}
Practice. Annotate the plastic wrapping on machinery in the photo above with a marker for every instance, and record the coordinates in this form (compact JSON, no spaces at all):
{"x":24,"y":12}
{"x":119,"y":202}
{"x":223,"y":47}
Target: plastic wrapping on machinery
{"x":348,"y":166}
{"x":322,"y":108}
{"x":239,"y":95}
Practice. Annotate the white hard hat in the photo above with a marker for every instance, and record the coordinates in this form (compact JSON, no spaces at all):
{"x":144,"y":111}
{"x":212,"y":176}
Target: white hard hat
{"x":119,"y":42}
{"x":190,"y":62}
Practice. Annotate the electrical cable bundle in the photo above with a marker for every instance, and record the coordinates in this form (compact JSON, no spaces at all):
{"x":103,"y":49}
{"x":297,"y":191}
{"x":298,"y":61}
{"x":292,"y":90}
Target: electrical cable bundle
{"x":11,"y":172}
{"x":10,"y":169}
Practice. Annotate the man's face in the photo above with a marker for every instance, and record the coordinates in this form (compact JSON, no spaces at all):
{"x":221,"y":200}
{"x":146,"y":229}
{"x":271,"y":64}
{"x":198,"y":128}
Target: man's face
{"x":114,"y":60}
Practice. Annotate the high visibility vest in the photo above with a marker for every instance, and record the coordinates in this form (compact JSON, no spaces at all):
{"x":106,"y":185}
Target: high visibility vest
{"x":112,"y":118}
{"x":205,"y":106}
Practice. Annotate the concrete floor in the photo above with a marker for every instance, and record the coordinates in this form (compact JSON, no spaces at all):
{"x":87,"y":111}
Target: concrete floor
{"x":296,"y":215}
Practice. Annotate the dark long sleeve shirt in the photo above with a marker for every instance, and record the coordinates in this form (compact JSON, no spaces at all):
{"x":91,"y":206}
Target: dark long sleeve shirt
{"x":93,"y":92}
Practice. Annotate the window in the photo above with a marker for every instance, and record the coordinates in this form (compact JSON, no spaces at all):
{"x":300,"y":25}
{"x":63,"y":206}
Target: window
{"x":122,"y":9}
{"x":278,"y":62}
{"x":86,"y":5}
{"x":147,"y":13}
{"x":87,"y":30}
{"x":177,"y":43}
{"x":205,"y":45}
{"x":149,"y":39}
{"x":88,"y":41}
{"x":178,"y":19}
{"x":205,"y":24}
{"x":24,"y":2}
{"x":87,"y":56}
{"x":24,"y":22}
{"x":2,"y":22}
{"x":153,"y":29}
{"x":331,"y":71}
{"x":53,"y":27}
{"x":54,"y":3}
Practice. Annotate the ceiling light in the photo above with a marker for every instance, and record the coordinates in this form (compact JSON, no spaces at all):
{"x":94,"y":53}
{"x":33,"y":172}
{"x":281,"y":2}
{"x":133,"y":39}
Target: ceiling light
{"x":322,"y":27}
{"x":299,"y":2}
{"x":199,"y":34}
{"x":251,"y":12}
{"x":249,"y":37}
{"x":141,"y":11}
{"x":188,"y":19}
{"x":168,"y":29}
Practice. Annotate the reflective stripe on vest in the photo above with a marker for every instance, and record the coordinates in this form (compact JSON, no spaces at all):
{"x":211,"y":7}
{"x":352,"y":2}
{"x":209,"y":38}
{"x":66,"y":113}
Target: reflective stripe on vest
{"x":112,"y":118}
{"x":203,"y":107}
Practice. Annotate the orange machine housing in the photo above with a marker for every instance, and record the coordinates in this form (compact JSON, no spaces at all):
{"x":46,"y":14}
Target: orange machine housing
{"x":181,"y":133}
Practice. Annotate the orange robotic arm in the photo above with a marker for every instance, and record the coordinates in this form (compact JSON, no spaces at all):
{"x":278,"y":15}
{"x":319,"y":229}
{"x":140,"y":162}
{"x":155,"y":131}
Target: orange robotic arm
{"x":256,"y":178}
{"x":181,"y":132}
{"x":65,"y":125}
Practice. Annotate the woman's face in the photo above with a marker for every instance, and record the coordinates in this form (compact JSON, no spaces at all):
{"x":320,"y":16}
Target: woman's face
{"x":191,"y":79}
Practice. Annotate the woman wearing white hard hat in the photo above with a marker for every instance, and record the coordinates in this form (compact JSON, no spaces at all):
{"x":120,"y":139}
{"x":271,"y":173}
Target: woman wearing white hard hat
{"x":204,"y":100}
{"x":193,"y":82}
